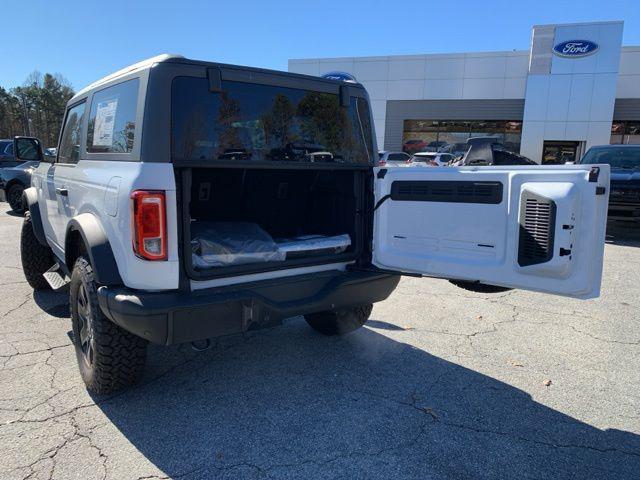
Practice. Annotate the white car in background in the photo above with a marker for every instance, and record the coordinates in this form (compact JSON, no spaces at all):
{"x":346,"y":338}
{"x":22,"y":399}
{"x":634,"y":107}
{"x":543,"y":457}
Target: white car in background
{"x":431,"y":159}
{"x":393,"y":159}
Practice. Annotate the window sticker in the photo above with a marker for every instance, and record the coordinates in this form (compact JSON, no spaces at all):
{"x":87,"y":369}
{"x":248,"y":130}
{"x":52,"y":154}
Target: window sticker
{"x":105,"y":123}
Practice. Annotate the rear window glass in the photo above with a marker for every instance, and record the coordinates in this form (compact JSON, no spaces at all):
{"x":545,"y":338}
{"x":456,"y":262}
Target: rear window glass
{"x":112,"y":121}
{"x":267,"y":123}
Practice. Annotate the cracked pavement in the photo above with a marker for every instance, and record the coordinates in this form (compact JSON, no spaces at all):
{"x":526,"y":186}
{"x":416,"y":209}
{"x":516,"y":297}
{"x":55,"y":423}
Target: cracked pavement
{"x":441,"y":383}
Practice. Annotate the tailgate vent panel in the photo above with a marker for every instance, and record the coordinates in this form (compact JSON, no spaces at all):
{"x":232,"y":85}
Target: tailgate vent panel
{"x":537,"y":229}
{"x":447,"y":191}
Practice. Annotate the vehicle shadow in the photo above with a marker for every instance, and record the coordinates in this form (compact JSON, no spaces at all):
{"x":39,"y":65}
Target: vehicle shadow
{"x":55,"y":303}
{"x":288,"y":402}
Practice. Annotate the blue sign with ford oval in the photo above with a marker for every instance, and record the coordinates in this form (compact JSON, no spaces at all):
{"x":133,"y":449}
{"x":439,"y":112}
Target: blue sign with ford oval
{"x":575,"y":48}
{"x":342,"y":76}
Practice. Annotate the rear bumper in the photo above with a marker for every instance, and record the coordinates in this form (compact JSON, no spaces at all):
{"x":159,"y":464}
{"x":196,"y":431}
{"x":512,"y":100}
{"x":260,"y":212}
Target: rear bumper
{"x":177,"y":317}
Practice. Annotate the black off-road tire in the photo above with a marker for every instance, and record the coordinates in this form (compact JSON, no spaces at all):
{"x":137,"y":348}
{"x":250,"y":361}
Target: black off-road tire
{"x":479,"y":287}
{"x":14,"y":197}
{"x":339,"y":322}
{"x":109,"y":357}
{"x":36,"y":258}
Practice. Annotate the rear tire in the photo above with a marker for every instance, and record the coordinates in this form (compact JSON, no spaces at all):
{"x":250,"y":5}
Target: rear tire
{"x":339,"y":322}
{"x":36,"y":258}
{"x":109,"y":358}
{"x":14,"y":197}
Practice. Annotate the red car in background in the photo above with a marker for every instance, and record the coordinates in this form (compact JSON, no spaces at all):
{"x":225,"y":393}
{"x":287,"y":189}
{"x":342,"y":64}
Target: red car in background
{"x":413,"y":146}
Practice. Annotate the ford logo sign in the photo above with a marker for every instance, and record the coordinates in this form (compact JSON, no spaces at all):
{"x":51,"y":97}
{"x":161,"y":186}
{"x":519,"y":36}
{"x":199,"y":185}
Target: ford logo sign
{"x":342,"y":76}
{"x":575,"y":48}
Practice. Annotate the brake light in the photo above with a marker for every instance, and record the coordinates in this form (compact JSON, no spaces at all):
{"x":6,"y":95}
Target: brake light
{"x":382,"y":163}
{"x":149,"y":224}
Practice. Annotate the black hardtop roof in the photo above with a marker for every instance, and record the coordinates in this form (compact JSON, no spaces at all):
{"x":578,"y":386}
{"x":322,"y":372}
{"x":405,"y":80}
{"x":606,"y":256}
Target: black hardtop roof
{"x":180,"y":60}
{"x":209,"y":64}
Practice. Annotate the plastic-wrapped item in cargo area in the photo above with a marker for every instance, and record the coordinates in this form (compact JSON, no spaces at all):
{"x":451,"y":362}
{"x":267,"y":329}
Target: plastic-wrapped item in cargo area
{"x":313,"y":245}
{"x":221,"y":244}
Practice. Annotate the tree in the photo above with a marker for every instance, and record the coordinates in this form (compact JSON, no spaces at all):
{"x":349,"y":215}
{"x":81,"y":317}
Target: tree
{"x":9,"y":114}
{"x":325,"y":122}
{"x":278,"y":122}
{"x":36,"y":108}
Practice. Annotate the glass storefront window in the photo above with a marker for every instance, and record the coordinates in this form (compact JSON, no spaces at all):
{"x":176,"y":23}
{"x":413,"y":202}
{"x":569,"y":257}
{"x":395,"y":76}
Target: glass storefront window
{"x":632,"y":128}
{"x":626,"y":133}
{"x":451,"y":135}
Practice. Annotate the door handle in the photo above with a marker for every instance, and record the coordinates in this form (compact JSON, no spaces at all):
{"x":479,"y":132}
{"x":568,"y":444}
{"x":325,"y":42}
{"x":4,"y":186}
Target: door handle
{"x":62,"y":192}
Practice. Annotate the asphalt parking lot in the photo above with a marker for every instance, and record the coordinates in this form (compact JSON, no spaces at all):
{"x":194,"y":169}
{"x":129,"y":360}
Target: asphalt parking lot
{"x":442,"y":383}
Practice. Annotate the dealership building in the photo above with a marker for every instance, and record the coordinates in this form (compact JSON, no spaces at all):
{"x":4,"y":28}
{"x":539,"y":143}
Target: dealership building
{"x":576,"y":86}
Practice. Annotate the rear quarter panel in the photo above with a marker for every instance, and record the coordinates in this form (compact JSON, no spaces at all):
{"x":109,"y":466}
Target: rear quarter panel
{"x":103,"y":188}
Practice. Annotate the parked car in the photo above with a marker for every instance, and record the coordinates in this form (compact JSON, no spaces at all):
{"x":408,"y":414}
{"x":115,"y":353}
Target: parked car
{"x":436,"y":146}
{"x":456,"y":149}
{"x":15,"y":176}
{"x":477,"y":141}
{"x":13,"y":181}
{"x":7,"y":158}
{"x":624,"y":197}
{"x":392,"y":159}
{"x":489,"y":151}
{"x":431,"y":159}
{"x":164,"y":238}
{"x":50,"y":153}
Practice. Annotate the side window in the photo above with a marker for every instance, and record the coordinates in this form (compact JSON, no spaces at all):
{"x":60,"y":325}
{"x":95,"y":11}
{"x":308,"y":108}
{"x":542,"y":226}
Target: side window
{"x":112,"y":121}
{"x":69,"y":151}
{"x":6,"y":148}
{"x":398,"y":157}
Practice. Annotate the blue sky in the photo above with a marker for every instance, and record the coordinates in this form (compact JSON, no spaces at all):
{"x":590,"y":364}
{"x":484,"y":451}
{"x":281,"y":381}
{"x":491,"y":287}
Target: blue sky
{"x":85,"y":40}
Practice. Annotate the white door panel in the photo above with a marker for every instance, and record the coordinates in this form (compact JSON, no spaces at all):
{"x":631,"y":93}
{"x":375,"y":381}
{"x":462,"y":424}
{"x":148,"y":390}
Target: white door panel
{"x":43,"y":181}
{"x":64,"y":207}
{"x":537,"y":228}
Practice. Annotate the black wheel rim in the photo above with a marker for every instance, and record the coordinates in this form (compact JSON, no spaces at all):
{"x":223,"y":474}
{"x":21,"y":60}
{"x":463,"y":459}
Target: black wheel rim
{"x":15,"y":196}
{"x":85,"y":326}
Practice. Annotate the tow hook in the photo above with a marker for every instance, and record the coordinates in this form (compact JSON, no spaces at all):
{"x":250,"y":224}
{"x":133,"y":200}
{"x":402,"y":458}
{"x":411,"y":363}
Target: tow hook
{"x":201,"y":345}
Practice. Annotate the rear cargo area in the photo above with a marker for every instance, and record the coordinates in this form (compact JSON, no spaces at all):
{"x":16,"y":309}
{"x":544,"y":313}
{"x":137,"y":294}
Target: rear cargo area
{"x":244,"y":220}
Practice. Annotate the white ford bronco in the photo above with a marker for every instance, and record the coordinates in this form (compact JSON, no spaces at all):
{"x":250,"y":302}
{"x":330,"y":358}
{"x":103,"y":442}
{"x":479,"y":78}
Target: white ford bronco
{"x":190,"y":200}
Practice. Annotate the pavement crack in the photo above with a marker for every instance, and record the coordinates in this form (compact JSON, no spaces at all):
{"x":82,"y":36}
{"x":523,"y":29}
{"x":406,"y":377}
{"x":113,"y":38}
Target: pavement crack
{"x":22,"y":304}
{"x":540,"y":442}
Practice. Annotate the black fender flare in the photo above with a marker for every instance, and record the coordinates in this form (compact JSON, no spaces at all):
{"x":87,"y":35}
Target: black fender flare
{"x":30,"y":201}
{"x":97,"y":247}
{"x":12,"y":182}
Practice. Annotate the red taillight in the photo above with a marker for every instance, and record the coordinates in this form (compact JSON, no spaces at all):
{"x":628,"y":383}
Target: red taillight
{"x":149,"y":224}
{"x":381,"y":163}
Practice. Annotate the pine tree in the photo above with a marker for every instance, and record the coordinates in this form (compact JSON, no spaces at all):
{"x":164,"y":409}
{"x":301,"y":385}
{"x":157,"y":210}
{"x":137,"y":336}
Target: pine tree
{"x":36,"y":108}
